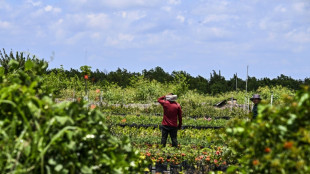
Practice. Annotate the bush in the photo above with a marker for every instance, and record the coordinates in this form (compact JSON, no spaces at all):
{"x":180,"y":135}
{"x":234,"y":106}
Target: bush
{"x":39,"y":136}
{"x":278,"y":141}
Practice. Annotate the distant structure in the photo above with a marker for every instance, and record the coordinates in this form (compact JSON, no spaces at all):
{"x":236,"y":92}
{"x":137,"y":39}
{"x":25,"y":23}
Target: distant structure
{"x":227,"y":103}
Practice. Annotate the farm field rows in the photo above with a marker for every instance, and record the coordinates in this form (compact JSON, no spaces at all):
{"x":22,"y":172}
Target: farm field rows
{"x":42,"y":132}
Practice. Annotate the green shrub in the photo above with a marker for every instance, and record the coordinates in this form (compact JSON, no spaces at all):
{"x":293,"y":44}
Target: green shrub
{"x":278,"y":141}
{"x":39,"y":136}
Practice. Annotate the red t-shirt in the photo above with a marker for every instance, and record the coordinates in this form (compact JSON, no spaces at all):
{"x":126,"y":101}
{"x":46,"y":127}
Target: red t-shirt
{"x":172,"y":112}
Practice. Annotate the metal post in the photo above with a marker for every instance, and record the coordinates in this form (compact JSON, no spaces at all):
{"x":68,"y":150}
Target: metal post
{"x":101,"y":97}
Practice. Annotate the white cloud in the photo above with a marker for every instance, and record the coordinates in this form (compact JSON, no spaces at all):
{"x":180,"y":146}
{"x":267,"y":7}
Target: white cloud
{"x":218,"y":18}
{"x":47,"y":9}
{"x":4,"y":5}
{"x":263,"y":24}
{"x":206,"y":33}
{"x":165,"y":39}
{"x":77,"y":37}
{"x":125,"y":37}
{"x":181,"y":18}
{"x":174,"y":2}
{"x":280,"y":8}
{"x":40,"y":33}
{"x":130,"y":3}
{"x":166,"y":8}
{"x":50,"y":8}
{"x":120,"y":40}
{"x":272,"y":24}
{"x":118,"y":4}
{"x":96,"y":35}
{"x":133,"y":15}
{"x":33,"y":3}
{"x":5,"y":25}
{"x":299,"y":7}
{"x":98,"y":21}
{"x":58,"y":30}
{"x":298,"y":36}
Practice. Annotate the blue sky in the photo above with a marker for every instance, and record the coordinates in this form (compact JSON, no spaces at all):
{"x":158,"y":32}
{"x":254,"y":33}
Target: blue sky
{"x":272,"y":37}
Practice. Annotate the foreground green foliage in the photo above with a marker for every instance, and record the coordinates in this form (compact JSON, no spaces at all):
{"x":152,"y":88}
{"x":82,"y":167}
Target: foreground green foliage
{"x":39,"y":136}
{"x":278,"y":141}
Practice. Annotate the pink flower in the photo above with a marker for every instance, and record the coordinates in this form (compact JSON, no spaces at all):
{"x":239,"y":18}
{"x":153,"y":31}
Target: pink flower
{"x":97,"y":90}
{"x":215,"y":161}
{"x":209,"y":119}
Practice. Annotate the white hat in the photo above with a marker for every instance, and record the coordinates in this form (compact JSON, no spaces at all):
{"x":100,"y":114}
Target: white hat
{"x":171,"y":97}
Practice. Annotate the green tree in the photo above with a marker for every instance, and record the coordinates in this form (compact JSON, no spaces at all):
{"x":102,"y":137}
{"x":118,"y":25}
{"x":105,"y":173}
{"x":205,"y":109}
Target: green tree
{"x":180,"y":83}
{"x":217,"y":83}
{"x":86,"y":70}
{"x":20,"y":62}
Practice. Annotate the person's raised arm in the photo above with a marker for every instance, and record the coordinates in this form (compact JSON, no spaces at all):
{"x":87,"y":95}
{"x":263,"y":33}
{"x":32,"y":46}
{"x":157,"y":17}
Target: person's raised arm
{"x":161,"y":100}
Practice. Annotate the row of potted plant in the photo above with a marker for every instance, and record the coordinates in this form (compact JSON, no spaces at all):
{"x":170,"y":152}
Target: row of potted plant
{"x":155,"y":120}
{"x":188,"y":111}
{"x":142,"y":136}
{"x":188,"y":158}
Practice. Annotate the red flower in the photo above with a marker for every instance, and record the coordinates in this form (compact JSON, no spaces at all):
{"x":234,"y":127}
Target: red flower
{"x":208,"y":158}
{"x":92,"y":106}
{"x":97,"y":90}
{"x":86,"y":77}
{"x":255,"y":162}
{"x":288,"y":145}
{"x":267,"y":150}
{"x":183,"y":154}
{"x":148,"y":154}
{"x":124,"y":120}
{"x":215,"y":161}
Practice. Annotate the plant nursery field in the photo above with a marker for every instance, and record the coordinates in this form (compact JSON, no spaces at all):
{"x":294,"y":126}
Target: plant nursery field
{"x":50,"y":123}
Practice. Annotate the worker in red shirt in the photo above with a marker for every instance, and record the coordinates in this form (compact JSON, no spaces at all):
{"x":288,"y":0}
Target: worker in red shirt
{"x":172,"y":113}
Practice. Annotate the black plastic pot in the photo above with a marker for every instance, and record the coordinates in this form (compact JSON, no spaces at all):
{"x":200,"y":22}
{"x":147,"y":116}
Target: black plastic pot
{"x":175,"y":169}
{"x":161,"y":167}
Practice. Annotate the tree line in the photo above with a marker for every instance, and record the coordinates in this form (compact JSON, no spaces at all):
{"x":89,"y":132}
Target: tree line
{"x":122,"y":77}
{"x":214,"y":85}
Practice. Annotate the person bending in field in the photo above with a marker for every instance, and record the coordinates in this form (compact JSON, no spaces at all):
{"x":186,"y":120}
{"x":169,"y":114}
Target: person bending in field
{"x":172,"y":113}
{"x":256,"y":100}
